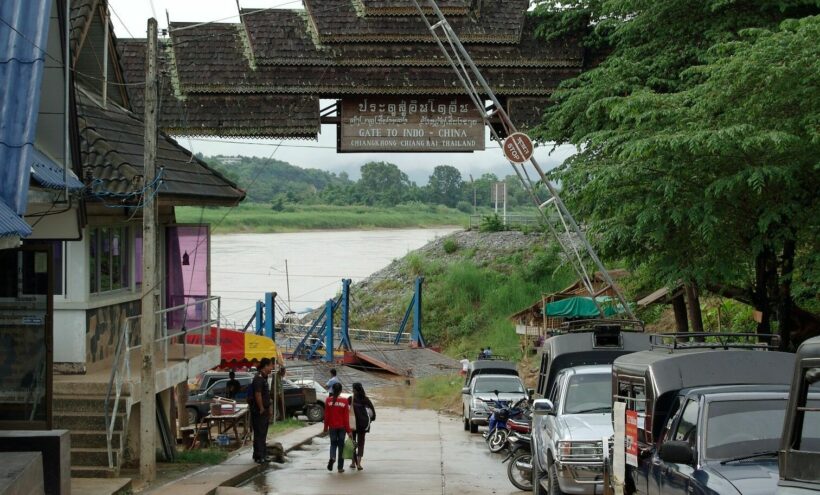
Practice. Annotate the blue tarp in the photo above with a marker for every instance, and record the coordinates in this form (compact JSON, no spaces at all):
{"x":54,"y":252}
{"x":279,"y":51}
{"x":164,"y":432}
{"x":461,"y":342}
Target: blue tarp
{"x":21,"y":73}
{"x":49,"y":174}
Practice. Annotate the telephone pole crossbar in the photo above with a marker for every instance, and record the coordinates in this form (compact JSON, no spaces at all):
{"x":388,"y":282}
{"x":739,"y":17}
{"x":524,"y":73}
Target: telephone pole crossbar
{"x":555,"y":214}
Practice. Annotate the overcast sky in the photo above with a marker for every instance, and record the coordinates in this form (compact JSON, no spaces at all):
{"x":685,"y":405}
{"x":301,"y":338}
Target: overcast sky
{"x":130,"y":19}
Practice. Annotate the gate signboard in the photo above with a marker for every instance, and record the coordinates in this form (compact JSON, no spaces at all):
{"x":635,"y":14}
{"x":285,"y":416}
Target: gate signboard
{"x":409,"y":124}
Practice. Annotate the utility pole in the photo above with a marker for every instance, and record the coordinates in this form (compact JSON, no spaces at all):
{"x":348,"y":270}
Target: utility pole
{"x":472,"y":183}
{"x":150,"y":268}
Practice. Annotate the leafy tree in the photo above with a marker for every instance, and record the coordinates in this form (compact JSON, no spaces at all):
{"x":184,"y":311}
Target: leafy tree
{"x":699,"y":140}
{"x":445,"y":185}
{"x":383,"y":184}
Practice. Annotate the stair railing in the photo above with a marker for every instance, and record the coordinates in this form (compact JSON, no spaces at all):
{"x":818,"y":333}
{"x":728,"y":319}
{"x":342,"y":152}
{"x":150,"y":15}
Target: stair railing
{"x":120,"y":373}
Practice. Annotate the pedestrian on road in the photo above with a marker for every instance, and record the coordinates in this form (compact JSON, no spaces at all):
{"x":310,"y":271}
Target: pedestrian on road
{"x":365,"y":413}
{"x":261,"y":410}
{"x":337,"y":413}
{"x":333,"y":379}
{"x":465,"y":365}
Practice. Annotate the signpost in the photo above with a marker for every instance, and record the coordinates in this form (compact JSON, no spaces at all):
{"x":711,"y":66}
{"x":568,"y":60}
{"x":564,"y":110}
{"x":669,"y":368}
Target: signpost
{"x":518,"y":148}
{"x":404,"y":124}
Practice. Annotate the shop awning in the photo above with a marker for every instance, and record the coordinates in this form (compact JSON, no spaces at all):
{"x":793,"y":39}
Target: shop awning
{"x":239,"y":346}
{"x":580,"y":307}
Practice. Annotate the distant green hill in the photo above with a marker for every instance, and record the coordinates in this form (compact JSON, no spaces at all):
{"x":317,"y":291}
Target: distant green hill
{"x":266,"y":179}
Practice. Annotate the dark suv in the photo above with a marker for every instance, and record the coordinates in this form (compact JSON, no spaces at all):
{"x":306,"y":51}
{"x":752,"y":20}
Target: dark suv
{"x":198,"y":405}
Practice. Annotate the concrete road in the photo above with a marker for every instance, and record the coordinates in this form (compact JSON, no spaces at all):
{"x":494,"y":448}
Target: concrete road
{"x":407,"y":452}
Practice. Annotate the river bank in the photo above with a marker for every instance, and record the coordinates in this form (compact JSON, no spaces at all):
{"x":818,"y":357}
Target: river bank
{"x":260,"y":218}
{"x":473,"y":282}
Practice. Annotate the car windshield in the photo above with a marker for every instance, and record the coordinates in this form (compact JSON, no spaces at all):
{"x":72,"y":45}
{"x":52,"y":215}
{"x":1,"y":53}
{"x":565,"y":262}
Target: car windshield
{"x":589,"y":393}
{"x":504,"y":385}
{"x":738,"y":428}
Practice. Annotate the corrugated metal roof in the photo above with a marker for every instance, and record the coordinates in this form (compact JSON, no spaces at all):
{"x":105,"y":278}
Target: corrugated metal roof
{"x":23,"y":31}
{"x":11,"y":225}
{"x":49,"y":174}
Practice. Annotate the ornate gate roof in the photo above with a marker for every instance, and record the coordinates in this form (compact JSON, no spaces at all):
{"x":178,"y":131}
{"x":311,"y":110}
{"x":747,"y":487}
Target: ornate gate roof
{"x":264,"y":76}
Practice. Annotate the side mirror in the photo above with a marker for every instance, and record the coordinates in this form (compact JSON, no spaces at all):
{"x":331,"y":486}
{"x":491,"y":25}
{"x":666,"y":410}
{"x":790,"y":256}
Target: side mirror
{"x":543,"y":407}
{"x":677,"y":451}
{"x":465,"y":390}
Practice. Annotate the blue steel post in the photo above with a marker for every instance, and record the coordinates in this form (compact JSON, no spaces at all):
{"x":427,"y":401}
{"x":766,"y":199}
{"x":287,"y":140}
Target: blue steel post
{"x":329,"y":331}
{"x":259,"y":317}
{"x":346,"y":314}
{"x":417,"y":336}
{"x":270,"y":315}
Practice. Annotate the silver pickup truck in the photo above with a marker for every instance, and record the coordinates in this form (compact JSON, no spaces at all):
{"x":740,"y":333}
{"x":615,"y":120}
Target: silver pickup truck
{"x":569,"y":428}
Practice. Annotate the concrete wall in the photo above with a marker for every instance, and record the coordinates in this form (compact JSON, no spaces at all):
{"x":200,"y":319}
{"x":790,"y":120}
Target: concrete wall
{"x":54,"y":445}
{"x":104,"y":327}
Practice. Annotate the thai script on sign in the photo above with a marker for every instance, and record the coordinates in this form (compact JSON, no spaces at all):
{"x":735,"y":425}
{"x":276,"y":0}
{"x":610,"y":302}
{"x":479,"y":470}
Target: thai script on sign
{"x":411,"y":107}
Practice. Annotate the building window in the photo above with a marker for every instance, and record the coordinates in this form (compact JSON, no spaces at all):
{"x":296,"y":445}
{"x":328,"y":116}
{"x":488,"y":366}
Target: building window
{"x":109,"y":260}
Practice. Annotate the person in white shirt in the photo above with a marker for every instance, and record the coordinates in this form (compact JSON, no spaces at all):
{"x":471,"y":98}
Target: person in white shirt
{"x":465,"y":364}
{"x":333,"y":379}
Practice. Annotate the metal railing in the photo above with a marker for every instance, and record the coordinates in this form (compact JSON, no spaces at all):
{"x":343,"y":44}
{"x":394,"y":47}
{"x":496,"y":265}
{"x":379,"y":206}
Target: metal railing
{"x":289,"y":335}
{"x":509,"y":221}
{"x":121,"y":367}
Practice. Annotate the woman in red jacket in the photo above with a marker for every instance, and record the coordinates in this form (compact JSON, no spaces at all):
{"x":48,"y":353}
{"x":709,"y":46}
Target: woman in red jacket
{"x":337,"y":413}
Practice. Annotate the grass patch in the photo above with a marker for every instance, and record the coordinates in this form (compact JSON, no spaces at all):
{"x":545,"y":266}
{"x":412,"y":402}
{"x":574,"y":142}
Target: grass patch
{"x":282,"y":426}
{"x":255,"y":217}
{"x":208,"y":456}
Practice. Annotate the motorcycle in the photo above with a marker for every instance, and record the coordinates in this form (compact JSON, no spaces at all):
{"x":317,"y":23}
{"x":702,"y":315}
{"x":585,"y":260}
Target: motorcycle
{"x":498,"y":431}
{"x":519,"y":469}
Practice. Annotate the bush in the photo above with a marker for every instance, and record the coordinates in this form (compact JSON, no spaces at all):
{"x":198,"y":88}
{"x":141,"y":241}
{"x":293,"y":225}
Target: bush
{"x":464,"y":207}
{"x":491,"y":223}
{"x":450,"y":245}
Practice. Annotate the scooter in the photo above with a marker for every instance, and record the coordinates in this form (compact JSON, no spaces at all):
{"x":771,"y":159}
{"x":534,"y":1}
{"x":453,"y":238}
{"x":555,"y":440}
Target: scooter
{"x":496,"y":434}
{"x":519,"y":469}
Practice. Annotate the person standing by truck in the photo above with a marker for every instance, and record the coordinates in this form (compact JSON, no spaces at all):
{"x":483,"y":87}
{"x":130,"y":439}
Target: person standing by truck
{"x":337,"y":413}
{"x":261,"y":410}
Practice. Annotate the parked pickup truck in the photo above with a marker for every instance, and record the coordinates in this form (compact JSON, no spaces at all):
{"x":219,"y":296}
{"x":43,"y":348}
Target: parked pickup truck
{"x":487,"y":381}
{"x":799,"y":457}
{"x":699,"y":420}
{"x":569,"y":431}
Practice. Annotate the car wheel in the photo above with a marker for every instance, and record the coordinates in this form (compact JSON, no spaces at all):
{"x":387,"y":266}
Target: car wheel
{"x":473,"y":426}
{"x":315,"y":413}
{"x":193,"y":415}
{"x":555,"y":488}
{"x":537,"y":476}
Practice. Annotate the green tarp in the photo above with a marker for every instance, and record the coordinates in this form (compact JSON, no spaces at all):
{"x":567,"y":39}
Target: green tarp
{"x":579,"y":307}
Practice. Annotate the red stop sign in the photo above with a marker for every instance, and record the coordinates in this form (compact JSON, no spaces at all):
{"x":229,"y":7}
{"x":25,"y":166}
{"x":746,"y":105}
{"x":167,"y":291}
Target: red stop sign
{"x":518,"y":147}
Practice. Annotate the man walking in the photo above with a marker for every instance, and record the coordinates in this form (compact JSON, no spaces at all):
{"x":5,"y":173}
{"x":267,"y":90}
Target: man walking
{"x":333,"y":379}
{"x":261,"y":410}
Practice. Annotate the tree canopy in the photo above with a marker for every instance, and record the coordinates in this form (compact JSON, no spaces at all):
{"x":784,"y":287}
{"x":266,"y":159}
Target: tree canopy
{"x":699,"y":141}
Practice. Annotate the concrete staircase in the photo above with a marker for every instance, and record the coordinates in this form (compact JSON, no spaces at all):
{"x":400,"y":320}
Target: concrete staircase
{"x":84,"y":416}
